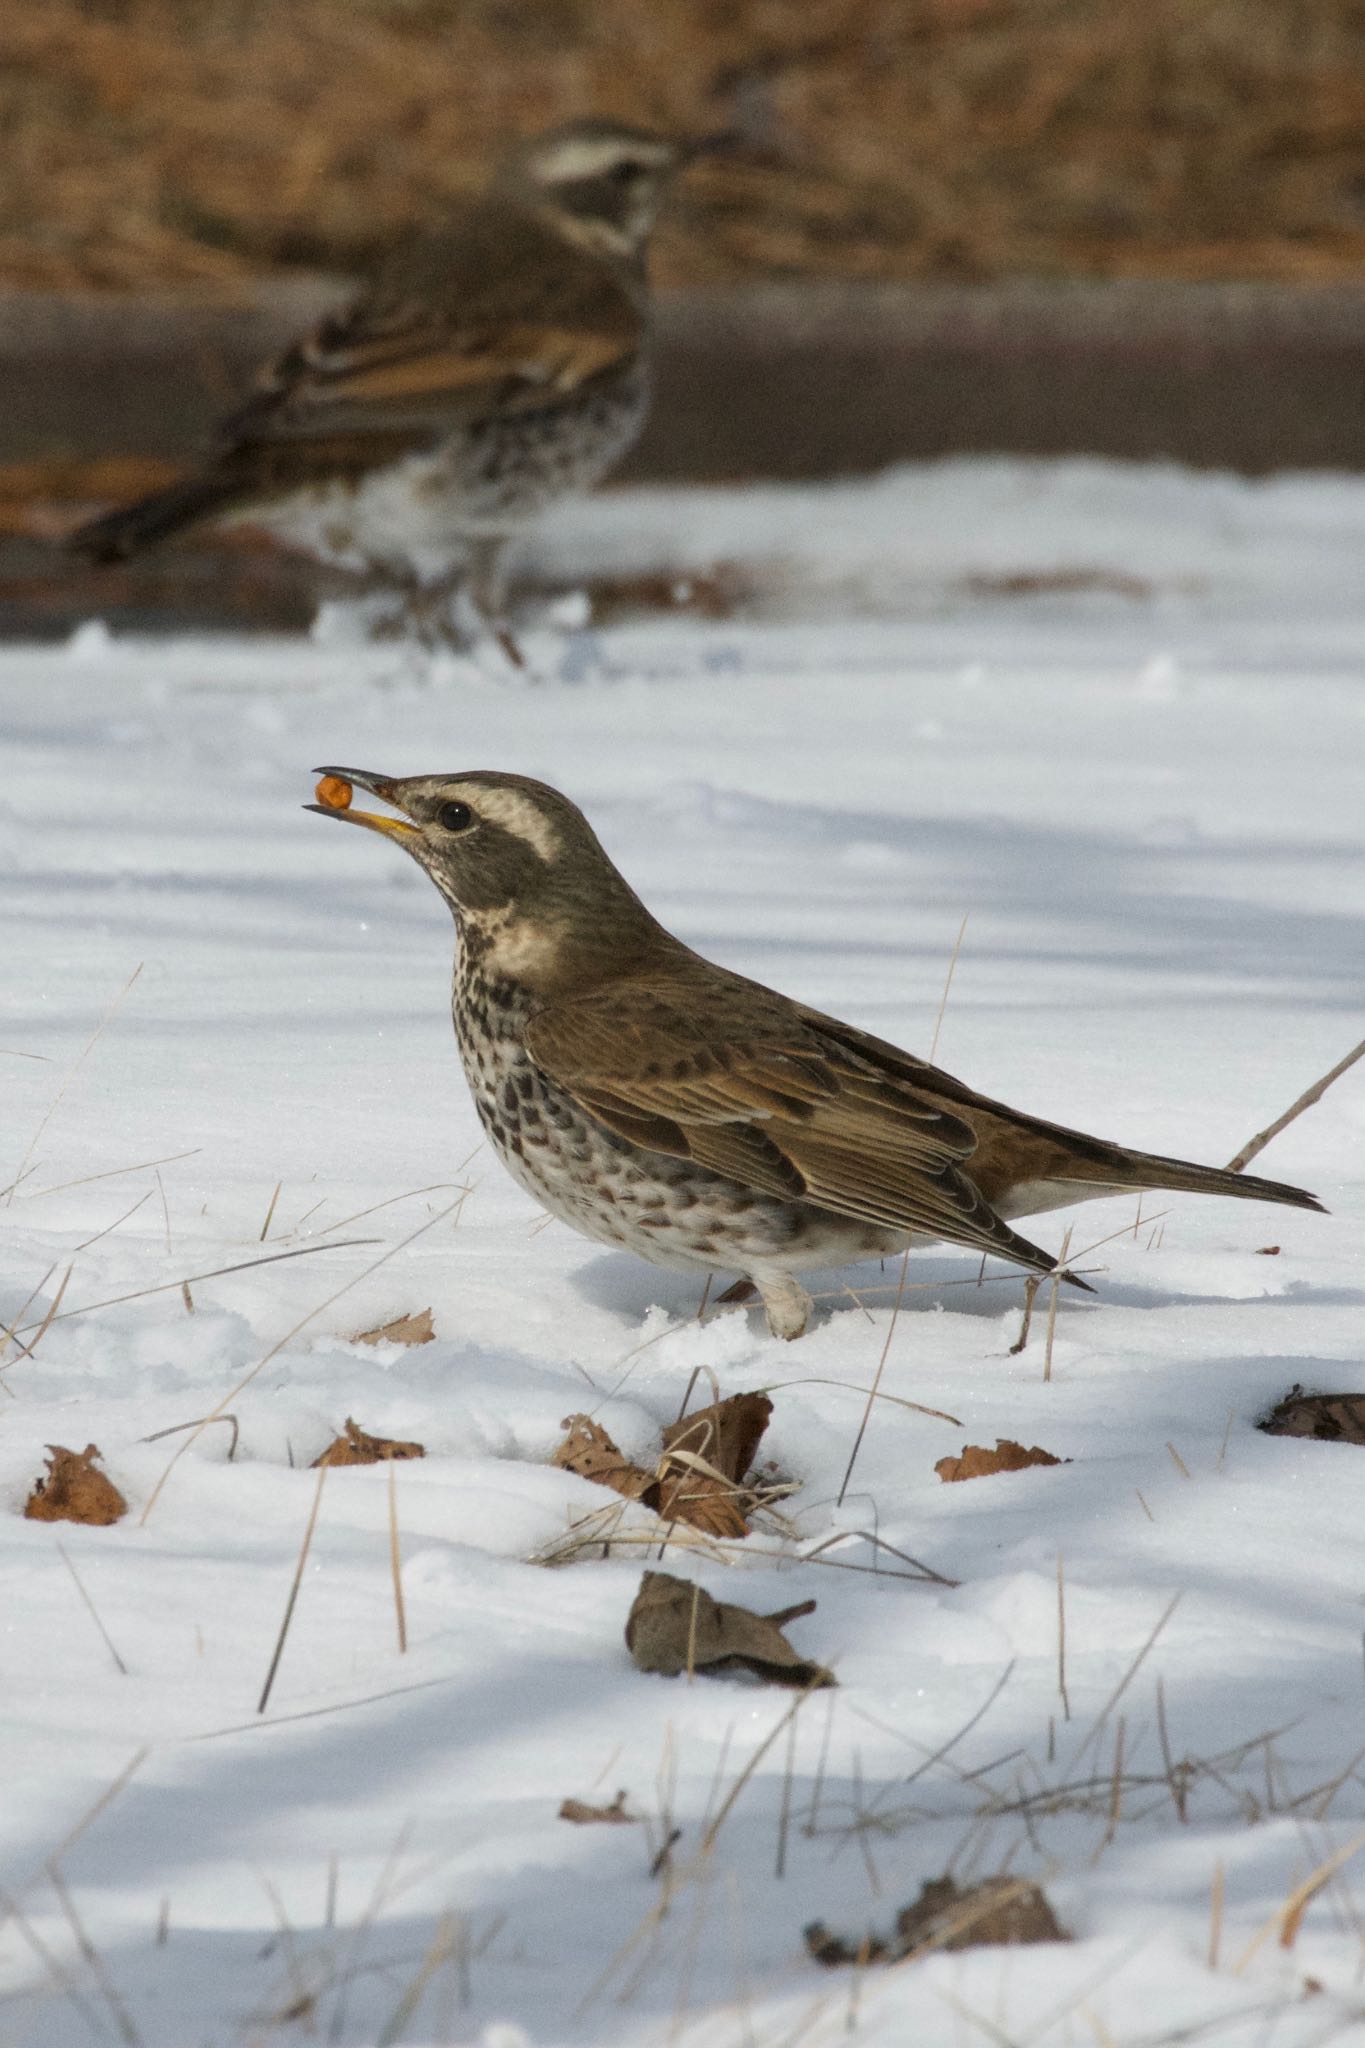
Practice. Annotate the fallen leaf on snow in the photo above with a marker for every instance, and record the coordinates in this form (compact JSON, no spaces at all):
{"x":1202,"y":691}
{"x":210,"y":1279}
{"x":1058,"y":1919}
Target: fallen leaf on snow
{"x":354,"y":1447}
{"x":416,"y":1329}
{"x":705,"y":1458}
{"x":590,"y":1452}
{"x":976,"y":1462}
{"x":998,"y":1912}
{"x":586,"y":1816}
{"x":702,"y":1464}
{"x":73,"y":1491}
{"x":1331,"y":1418}
{"x":676,"y":1626}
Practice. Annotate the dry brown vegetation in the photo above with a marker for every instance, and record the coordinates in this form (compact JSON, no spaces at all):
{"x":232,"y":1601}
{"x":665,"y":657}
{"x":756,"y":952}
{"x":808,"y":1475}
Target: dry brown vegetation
{"x":176,"y":142}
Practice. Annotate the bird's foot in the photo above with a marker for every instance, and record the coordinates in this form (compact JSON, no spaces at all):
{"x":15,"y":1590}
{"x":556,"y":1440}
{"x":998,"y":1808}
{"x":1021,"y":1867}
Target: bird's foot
{"x":786,"y":1305}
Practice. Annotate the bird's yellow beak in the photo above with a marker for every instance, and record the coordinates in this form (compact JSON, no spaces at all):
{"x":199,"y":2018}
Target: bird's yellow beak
{"x":334,"y":792}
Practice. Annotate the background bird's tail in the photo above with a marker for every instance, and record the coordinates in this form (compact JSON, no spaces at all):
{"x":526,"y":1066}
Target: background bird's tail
{"x":117,"y":535}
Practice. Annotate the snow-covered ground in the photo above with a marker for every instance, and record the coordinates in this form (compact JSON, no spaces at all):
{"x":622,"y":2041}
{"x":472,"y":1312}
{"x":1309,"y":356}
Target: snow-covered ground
{"x":1148,"y":807}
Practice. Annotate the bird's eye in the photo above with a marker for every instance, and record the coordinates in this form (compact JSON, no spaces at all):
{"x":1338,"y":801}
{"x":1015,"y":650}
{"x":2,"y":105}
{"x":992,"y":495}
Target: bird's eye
{"x":455,"y":817}
{"x":626,"y":172}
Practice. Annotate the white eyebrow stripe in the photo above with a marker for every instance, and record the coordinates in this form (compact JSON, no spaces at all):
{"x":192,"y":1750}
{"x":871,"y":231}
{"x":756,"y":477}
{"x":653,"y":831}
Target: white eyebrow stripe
{"x":521,"y":816}
{"x":569,"y":161}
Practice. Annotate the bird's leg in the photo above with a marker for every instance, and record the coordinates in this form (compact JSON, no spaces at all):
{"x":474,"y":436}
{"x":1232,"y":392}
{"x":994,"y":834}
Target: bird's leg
{"x":429,"y":611}
{"x":785,"y":1302}
{"x":486,"y":583}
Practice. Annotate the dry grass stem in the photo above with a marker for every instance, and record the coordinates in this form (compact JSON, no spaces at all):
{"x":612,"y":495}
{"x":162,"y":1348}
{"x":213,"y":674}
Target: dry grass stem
{"x":112,"y":1173}
{"x":876,"y":1381}
{"x":289,"y":1337}
{"x":1061,"y":1639}
{"x":395,"y":1560}
{"x":1052,"y":1304}
{"x":7,"y":1332}
{"x":1115,"y":1795}
{"x":1129,"y":1675}
{"x":87,"y":1308}
{"x":289,"y":1604}
{"x":728,"y":1803}
{"x":199,"y":1422}
{"x":443,"y":1948}
{"x":899,"y":1400}
{"x":90,"y":1609}
{"x":1215,"y":1915}
{"x":947,"y":985}
{"x":1181,"y":1467}
{"x":52,"y":1316}
{"x":1305,"y":1101}
{"x":269,"y":1213}
{"x":785,"y":1808}
{"x":66,"y":1081}
{"x":108,"y":1228}
{"x":1288,"y":1918}
{"x":1176,"y":1778}
{"x":95,"y":1963}
{"x":10,"y":1909}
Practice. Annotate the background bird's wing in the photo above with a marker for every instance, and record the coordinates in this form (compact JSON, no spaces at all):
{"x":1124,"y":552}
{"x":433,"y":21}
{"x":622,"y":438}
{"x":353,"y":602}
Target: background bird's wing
{"x":498,"y":315}
{"x":774,"y":1103}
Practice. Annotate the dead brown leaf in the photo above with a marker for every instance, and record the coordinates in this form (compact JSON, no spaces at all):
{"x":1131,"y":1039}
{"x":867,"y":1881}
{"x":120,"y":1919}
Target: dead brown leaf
{"x":354,"y":1447}
{"x":414,"y":1329}
{"x":998,"y":1912}
{"x":590,"y":1452}
{"x":976,"y":1462}
{"x":73,"y":1491}
{"x":588,"y":1816}
{"x":676,"y":1626}
{"x":704,"y":1459}
{"x":726,"y":1434}
{"x":1331,"y":1418}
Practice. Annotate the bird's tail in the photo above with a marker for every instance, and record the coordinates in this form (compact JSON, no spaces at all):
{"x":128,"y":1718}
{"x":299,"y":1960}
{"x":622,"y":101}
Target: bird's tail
{"x":1150,"y":1170}
{"x":117,"y":535}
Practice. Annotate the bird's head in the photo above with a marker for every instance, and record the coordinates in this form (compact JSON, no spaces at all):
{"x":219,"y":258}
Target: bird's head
{"x":533,"y":892}
{"x":601,"y":181}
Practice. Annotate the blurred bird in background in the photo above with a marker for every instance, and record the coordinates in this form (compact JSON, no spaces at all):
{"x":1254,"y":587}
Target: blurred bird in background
{"x":490,"y":369}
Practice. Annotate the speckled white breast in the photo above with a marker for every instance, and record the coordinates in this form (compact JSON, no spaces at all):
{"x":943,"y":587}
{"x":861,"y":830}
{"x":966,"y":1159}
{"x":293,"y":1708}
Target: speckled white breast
{"x":417,"y":516}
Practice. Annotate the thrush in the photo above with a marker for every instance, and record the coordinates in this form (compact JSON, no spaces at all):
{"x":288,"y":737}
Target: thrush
{"x":656,"y":1101}
{"x":489,"y":370}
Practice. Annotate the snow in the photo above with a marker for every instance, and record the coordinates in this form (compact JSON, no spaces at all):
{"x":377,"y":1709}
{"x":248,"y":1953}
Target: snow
{"x":1146,"y":802}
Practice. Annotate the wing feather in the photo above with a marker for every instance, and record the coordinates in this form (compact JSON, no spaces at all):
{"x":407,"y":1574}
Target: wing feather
{"x":496,"y":315}
{"x":772,"y":1102}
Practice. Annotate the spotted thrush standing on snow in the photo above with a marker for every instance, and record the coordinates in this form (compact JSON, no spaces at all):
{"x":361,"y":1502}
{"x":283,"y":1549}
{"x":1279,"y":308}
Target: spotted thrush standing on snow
{"x":491,"y":369}
{"x":656,"y":1101}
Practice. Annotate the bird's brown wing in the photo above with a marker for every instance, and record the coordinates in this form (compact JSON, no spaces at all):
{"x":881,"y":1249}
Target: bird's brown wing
{"x":497,"y":315}
{"x":774,"y":1104}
